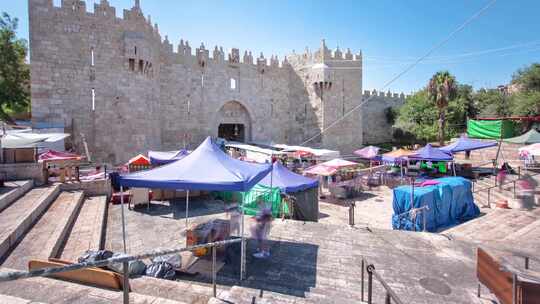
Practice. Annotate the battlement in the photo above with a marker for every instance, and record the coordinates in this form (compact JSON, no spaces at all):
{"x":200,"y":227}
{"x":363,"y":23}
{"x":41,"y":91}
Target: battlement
{"x":388,"y":94}
{"x":202,"y":55}
{"x":102,"y":11}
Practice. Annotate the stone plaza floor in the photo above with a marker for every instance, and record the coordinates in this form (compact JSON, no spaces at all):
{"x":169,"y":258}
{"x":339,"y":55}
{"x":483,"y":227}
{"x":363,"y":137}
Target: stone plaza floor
{"x":315,"y":259}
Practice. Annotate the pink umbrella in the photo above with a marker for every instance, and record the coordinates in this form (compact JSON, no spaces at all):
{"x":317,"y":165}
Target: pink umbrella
{"x":368,"y":152}
{"x":330,"y":167}
{"x":320,"y":170}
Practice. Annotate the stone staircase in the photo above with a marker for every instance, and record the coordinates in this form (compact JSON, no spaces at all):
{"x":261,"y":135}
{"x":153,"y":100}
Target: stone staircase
{"x":46,"y":237}
{"x":88,"y":231}
{"x":20,"y":215}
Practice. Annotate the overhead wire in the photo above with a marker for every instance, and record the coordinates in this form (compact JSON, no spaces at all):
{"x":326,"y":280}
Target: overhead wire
{"x":406,"y":70}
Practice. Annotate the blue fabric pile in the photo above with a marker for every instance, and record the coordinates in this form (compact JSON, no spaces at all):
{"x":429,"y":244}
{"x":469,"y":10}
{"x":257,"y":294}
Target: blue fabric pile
{"x":449,"y":203}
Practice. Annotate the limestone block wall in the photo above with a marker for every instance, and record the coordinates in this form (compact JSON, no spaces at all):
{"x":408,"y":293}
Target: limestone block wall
{"x":376,"y":127}
{"x":24,"y":171}
{"x":116,"y":84}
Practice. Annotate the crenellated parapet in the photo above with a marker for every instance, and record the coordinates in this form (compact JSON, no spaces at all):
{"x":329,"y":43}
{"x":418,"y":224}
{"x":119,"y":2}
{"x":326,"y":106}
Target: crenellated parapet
{"x":389,"y":95}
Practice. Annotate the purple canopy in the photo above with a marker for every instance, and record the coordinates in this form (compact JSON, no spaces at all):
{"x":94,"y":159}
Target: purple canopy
{"x":287,"y":181}
{"x":467,"y":144}
{"x":206,"y":168}
{"x":430,"y":153}
{"x":162,"y":158}
{"x":369,"y":152}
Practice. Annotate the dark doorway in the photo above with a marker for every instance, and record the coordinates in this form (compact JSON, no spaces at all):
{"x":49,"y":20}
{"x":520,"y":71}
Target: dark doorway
{"x":233,"y":132}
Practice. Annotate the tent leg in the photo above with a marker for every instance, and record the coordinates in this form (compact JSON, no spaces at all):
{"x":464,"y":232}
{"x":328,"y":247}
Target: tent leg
{"x":123,"y":217}
{"x":242,"y":248}
{"x":187,"y":208}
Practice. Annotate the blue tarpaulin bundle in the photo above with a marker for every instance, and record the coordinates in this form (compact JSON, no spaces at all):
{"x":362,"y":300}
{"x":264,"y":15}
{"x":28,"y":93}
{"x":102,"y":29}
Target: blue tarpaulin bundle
{"x":450,"y":202}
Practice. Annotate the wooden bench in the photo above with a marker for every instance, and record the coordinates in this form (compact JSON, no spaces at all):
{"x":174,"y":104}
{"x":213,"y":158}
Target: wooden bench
{"x":508,"y":287}
{"x":92,"y":276}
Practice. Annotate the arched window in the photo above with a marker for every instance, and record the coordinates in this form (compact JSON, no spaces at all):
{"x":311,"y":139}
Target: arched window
{"x":233,"y":84}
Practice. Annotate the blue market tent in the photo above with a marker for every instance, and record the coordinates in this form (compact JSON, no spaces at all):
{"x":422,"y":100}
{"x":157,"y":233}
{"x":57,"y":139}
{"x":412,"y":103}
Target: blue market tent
{"x":304,"y":190}
{"x":287,"y":181}
{"x":159,"y":158}
{"x":431,"y":154}
{"x":467,"y":144}
{"x":449,"y":202}
{"x":206,"y":168}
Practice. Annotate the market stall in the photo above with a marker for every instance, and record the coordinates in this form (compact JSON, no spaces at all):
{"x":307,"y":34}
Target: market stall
{"x":138,"y":163}
{"x":429,"y":160}
{"x":193,"y":173}
{"x":303,"y":189}
{"x":330,"y":168}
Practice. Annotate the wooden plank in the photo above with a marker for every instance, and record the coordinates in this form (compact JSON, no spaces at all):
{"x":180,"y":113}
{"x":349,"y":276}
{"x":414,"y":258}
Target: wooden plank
{"x":489,"y":273}
{"x":94,"y":276}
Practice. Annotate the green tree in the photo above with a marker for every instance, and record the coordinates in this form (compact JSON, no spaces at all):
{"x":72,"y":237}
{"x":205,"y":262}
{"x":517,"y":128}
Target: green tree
{"x":441,"y":89}
{"x":14,"y":72}
{"x":492,"y":102}
{"x":528,"y":79}
{"x":527,"y":100}
{"x":418,"y":117}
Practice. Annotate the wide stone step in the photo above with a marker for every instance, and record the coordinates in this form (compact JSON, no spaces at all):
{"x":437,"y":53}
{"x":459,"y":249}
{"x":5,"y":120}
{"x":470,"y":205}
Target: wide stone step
{"x":46,"y":290}
{"x":13,"y":191}
{"x":88,"y":230}
{"x":188,"y":292}
{"x":19,"y":217}
{"x":45,"y":238}
{"x":473,"y":225}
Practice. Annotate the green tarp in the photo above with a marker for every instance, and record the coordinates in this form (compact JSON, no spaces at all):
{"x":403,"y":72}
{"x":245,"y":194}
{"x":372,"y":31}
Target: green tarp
{"x":490,"y":129}
{"x":271,"y":197}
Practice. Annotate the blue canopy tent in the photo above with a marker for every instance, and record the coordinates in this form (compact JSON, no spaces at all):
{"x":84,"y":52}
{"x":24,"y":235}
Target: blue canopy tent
{"x":288,"y":181}
{"x":159,"y":158}
{"x":303,"y":189}
{"x":467,"y":144}
{"x":432,"y":154}
{"x":206,"y":168}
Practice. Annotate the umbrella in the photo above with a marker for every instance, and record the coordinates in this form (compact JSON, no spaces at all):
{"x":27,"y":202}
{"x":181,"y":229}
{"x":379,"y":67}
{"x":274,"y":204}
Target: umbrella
{"x":330,"y":167}
{"x":369,"y":152}
{"x":530,"y":150}
{"x":396,"y":155}
{"x":430,"y":153}
{"x":467,"y":144}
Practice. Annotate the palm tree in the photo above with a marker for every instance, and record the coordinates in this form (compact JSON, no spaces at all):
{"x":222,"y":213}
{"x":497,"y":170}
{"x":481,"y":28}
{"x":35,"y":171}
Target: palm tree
{"x":441,"y":89}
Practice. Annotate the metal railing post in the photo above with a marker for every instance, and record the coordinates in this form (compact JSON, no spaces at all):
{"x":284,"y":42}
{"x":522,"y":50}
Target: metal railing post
{"x":126,"y":282}
{"x":370,"y":283}
{"x":514,"y":189}
{"x":387,"y":300}
{"x":424,"y":219}
{"x":362,"y":278}
{"x":479,"y":289}
{"x":214,"y":270}
{"x":489,"y":198}
{"x":519,"y":171}
{"x":526,"y":262}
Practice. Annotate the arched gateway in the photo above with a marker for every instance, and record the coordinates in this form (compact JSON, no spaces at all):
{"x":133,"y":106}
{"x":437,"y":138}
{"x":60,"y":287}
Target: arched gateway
{"x":233,"y":122}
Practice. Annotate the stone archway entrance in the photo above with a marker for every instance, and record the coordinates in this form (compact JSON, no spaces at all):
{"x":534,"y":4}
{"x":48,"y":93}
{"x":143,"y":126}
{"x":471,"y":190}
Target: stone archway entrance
{"x":234,"y":132}
{"x":233,"y":122}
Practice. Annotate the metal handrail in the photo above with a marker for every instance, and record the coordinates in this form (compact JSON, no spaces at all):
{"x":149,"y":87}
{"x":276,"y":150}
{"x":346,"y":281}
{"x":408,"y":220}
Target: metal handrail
{"x":503,"y":184}
{"x":423,"y":209}
{"x":390,"y":294}
{"x":124,"y":259}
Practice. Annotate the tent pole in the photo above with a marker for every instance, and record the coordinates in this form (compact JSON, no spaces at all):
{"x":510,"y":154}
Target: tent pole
{"x":187,"y":208}
{"x":123,"y":218}
{"x":242,"y":247}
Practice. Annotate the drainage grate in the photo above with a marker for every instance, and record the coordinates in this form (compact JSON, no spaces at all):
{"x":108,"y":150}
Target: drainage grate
{"x":436,"y":286}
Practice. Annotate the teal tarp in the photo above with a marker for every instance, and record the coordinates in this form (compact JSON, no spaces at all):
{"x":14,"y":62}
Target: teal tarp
{"x":450,"y":202}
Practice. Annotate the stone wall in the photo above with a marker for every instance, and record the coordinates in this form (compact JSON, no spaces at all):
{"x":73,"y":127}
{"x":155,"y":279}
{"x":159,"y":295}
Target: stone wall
{"x":24,"y":171}
{"x":376,"y":128}
{"x":117,"y":84}
{"x":90,"y":188}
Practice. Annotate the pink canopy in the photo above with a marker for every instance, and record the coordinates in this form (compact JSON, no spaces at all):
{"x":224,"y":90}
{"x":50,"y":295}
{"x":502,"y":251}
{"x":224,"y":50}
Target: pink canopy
{"x":52,"y":155}
{"x":330,"y":167}
{"x":368,"y":152}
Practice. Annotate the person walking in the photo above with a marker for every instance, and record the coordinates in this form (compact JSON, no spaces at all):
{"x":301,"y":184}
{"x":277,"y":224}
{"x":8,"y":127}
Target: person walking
{"x":260,"y":232}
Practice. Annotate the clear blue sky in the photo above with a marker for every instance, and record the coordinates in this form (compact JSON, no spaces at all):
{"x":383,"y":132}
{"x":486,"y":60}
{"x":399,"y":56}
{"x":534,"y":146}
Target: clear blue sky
{"x":389,"y":33}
